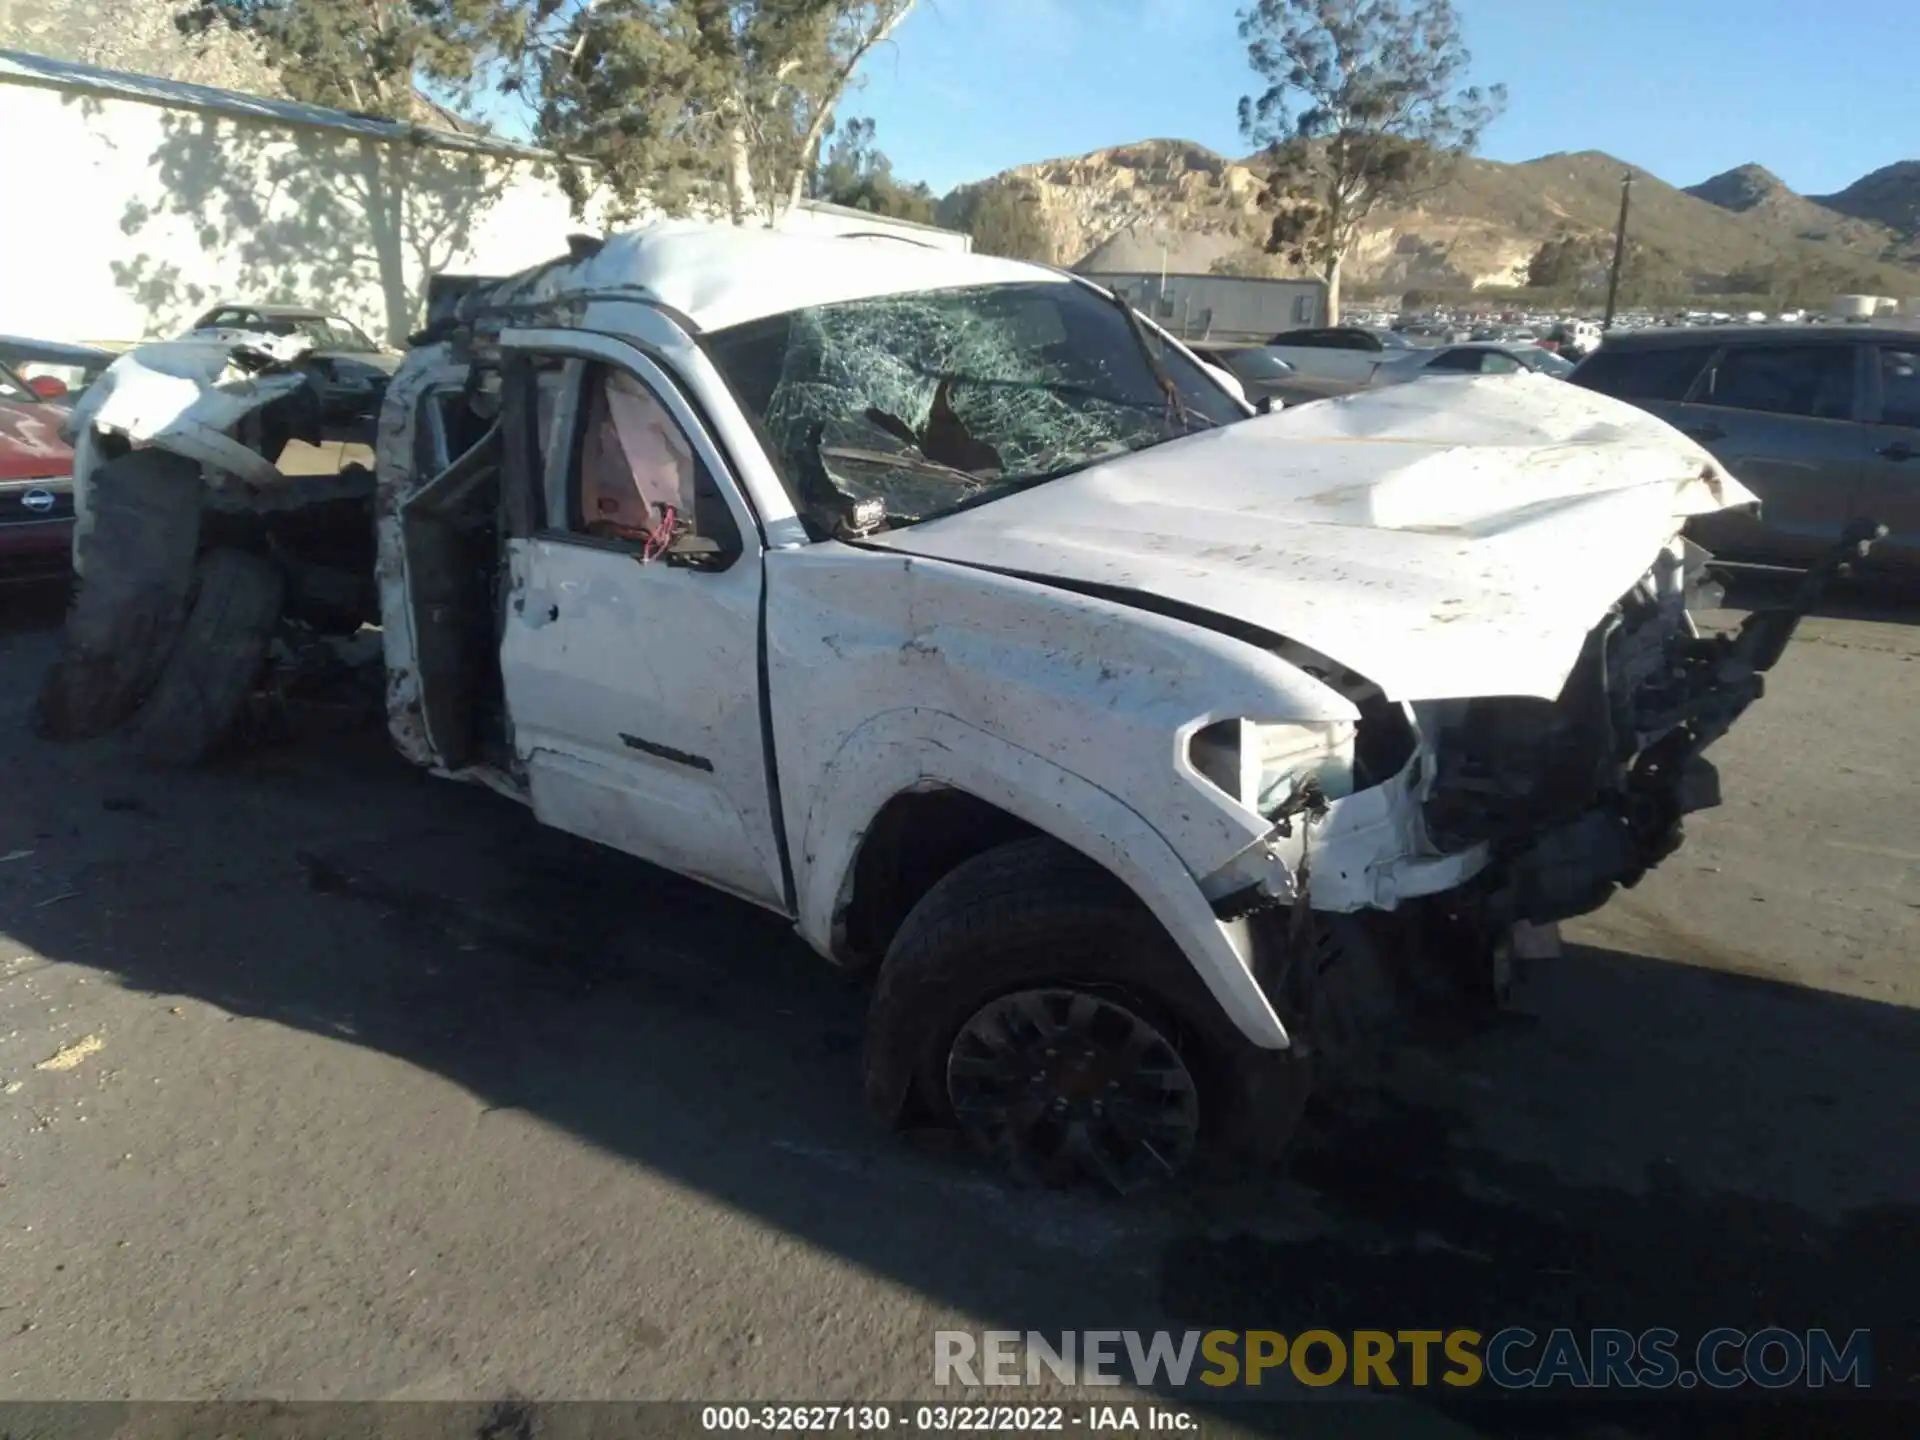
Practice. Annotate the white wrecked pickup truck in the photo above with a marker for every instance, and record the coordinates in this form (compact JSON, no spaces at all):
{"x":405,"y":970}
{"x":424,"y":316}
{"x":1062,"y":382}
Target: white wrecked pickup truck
{"x":1153,"y":751}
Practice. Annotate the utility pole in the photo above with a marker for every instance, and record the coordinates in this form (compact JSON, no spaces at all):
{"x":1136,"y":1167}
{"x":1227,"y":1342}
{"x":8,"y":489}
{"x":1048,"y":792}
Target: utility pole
{"x":1619,"y":250}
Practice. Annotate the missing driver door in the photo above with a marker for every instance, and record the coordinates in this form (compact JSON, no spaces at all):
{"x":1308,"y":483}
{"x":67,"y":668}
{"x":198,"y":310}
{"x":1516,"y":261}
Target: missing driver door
{"x":630,"y":640}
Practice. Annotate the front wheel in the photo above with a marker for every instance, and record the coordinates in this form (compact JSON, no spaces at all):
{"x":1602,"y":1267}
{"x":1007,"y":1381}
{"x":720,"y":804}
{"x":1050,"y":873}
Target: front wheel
{"x":214,"y":663}
{"x":1032,"y":1002}
{"x":1061,"y":1084}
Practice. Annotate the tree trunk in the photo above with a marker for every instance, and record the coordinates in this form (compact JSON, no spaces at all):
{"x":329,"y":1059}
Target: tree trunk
{"x":740,"y":191}
{"x":386,"y":172}
{"x":1331,"y":272}
{"x":797,"y":187}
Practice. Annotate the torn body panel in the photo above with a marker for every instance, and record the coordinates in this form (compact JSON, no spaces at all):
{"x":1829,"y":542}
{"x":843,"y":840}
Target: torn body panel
{"x":405,"y":462}
{"x":189,"y":397}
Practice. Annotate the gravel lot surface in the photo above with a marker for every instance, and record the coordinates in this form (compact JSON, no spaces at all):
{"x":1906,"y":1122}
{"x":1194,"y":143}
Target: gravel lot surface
{"x":321,"y":1078}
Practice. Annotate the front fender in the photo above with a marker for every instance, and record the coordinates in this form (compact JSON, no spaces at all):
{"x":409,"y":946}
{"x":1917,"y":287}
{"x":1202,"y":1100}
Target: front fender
{"x":908,"y":749}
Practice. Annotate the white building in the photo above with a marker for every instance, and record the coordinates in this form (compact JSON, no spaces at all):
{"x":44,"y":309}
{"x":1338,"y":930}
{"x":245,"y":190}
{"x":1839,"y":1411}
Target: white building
{"x":1864,"y":307}
{"x":136,"y":203}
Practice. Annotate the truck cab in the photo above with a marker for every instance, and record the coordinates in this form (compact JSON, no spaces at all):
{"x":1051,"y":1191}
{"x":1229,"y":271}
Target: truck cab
{"x":1155,"y":756}
{"x":940,"y":604}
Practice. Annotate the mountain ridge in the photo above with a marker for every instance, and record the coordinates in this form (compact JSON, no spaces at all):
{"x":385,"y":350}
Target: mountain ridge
{"x":1174,"y":202}
{"x":1889,"y":195}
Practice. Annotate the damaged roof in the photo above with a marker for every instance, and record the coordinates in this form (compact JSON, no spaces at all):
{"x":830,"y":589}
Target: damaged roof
{"x":722,"y":275}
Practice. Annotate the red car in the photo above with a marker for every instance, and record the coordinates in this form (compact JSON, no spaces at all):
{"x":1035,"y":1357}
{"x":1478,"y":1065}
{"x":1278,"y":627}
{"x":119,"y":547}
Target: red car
{"x":36,"y":482}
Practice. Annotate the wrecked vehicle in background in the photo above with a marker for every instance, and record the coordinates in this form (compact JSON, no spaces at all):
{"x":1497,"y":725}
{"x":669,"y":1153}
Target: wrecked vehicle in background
{"x":1155,"y":755}
{"x":349,"y":369}
{"x":192,"y":550}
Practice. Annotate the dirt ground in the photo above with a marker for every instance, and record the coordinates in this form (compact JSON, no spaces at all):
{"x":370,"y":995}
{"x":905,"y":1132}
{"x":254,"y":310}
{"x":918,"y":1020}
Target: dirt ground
{"x":321,"y":1078}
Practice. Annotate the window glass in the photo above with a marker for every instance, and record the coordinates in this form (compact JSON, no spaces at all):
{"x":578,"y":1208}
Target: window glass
{"x":1653,"y":372}
{"x":1257,"y":364}
{"x":75,"y":377}
{"x":1318,"y":339}
{"x":931,"y":401}
{"x":1546,"y":362}
{"x":1457,"y":360}
{"x":332,"y":333}
{"x":1498,"y":362}
{"x":548,"y":381}
{"x":1900,"y":387}
{"x":640,"y":481}
{"x":1809,"y":380}
{"x":462,"y":423}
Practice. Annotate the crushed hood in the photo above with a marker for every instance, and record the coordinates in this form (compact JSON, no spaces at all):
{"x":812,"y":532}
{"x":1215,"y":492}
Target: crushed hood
{"x":1444,"y":541}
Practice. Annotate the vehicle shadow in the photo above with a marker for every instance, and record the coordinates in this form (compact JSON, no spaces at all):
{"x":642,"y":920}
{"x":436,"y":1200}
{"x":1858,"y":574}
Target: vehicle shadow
{"x":1547,"y":1172}
{"x":1501,"y":1190}
{"x":1874,"y":594}
{"x":31,"y":606}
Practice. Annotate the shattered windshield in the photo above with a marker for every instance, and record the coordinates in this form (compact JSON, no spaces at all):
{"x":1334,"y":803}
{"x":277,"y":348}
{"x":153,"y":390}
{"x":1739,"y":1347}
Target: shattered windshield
{"x":934,"y":401}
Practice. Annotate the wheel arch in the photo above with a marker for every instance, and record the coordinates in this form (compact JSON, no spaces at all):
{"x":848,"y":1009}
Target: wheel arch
{"x":921,"y":766}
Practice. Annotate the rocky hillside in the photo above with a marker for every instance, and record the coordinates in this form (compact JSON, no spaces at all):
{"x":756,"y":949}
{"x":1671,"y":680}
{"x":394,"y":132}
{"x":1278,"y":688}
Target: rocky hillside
{"x":1134,"y":206}
{"x":1890,"y":195}
{"x":1743,"y":188}
{"x":1117,"y":209}
{"x":1755,"y":191}
{"x":134,"y":35}
{"x":139,"y":36}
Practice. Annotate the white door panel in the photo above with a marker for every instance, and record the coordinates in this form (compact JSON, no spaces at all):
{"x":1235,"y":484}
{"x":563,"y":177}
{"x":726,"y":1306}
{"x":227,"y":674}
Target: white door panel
{"x":635,"y":696}
{"x":633,"y":685}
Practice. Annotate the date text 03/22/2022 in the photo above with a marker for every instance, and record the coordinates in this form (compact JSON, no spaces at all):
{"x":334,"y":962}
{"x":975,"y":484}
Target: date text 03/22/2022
{"x":947,"y":1419}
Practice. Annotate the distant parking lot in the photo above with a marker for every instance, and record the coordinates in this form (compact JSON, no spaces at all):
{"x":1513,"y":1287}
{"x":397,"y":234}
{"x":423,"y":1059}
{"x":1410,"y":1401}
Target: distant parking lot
{"x":322,"y":1078}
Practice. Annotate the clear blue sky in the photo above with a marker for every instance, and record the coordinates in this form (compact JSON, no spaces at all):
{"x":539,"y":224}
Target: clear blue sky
{"x":1819,"y":93}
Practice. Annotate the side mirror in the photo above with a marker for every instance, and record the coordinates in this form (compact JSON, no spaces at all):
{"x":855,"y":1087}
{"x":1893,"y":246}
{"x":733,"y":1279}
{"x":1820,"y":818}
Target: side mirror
{"x":48,"y":387}
{"x":698,"y":552}
{"x":1264,"y":405}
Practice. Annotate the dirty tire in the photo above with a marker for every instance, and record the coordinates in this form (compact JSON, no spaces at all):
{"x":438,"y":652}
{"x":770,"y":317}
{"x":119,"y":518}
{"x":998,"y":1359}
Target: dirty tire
{"x":133,"y":564}
{"x":215,"y":661}
{"x":1034,"y":914}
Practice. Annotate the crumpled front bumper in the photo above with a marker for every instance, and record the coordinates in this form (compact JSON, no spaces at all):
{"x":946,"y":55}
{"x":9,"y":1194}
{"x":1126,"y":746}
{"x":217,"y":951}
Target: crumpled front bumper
{"x":1535,"y":811}
{"x":1586,"y":795}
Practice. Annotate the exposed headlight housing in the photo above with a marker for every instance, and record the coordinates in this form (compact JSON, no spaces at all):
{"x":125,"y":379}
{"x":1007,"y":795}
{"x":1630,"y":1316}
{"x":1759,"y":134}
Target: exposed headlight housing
{"x":1266,"y":766}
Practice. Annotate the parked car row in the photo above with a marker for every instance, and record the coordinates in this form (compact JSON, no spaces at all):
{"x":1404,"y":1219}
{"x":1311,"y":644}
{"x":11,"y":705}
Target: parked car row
{"x":1474,"y":357}
{"x":1301,"y":365}
{"x":1823,"y":424}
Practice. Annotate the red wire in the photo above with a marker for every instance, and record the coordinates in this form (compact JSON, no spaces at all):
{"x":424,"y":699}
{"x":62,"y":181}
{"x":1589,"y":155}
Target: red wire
{"x":660,"y":538}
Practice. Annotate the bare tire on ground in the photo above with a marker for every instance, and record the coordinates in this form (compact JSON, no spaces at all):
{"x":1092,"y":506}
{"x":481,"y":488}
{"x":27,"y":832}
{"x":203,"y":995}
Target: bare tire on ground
{"x":133,"y":564}
{"x":216,"y":660}
{"x":1033,"y":1002}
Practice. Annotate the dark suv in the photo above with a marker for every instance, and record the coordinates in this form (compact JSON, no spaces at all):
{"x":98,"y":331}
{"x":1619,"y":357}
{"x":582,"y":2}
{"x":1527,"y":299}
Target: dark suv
{"x":1822,"y":424}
